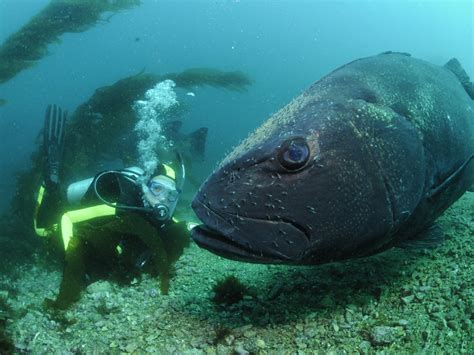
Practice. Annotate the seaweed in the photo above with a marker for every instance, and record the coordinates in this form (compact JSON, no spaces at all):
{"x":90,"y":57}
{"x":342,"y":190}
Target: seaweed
{"x":221,"y":333}
{"x":228,"y":291}
{"x":234,"y":80}
{"x":6,"y":343}
{"x":29,"y":44}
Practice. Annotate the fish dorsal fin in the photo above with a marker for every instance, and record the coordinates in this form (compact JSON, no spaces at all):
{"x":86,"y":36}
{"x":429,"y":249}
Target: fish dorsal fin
{"x":400,"y":53}
{"x":455,"y":67}
{"x":450,"y":179}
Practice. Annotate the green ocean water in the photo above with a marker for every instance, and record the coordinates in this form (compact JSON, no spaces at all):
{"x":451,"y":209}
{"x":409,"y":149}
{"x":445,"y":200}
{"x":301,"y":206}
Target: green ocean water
{"x":405,"y":300}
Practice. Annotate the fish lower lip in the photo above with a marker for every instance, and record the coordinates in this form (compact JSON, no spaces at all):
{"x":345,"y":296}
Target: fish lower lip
{"x":217,"y":243}
{"x":218,"y":235}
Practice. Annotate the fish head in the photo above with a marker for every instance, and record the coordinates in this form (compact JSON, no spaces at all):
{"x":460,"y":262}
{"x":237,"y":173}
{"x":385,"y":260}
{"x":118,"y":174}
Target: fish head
{"x":299,"y":190}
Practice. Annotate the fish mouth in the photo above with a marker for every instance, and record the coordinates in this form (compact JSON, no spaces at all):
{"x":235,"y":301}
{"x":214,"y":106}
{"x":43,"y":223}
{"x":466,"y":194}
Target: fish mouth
{"x":217,"y":243}
{"x":224,"y":239}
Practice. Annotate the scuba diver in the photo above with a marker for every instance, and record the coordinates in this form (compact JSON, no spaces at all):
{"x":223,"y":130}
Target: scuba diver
{"x":118,"y":219}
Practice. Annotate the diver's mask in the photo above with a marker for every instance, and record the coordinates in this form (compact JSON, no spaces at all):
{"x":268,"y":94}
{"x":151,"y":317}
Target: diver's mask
{"x":161,"y":194}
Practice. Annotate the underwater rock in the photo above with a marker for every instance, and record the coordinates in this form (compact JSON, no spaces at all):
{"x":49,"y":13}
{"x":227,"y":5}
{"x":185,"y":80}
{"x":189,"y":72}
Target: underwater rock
{"x":99,"y":288}
{"x":240,"y":350}
{"x":383,"y":335}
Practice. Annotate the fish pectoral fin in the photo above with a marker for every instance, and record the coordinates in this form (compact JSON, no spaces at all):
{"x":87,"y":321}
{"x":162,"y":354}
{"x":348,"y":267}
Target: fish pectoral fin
{"x":450,"y":179}
{"x":430,"y":238}
{"x":455,"y":67}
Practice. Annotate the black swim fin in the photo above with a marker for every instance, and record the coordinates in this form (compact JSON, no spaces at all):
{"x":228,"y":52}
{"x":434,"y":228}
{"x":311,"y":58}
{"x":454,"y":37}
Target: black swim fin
{"x":54,"y":127}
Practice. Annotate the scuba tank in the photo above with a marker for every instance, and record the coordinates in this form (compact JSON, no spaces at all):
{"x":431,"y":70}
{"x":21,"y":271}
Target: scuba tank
{"x":77,"y":190}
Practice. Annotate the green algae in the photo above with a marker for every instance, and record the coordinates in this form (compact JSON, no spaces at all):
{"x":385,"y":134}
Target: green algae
{"x":193,"y":77}
{"x":29,"y":44}
{"x":229,"y":290}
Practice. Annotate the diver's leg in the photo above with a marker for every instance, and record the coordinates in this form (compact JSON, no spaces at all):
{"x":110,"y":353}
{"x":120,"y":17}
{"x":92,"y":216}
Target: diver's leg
{"x":176,"y":237}
{"x":159,"y":259}
{"x":151,"y":238}
{"x":74,"y":276}
{"x":167,"y":246}
{"x":49,"y":209}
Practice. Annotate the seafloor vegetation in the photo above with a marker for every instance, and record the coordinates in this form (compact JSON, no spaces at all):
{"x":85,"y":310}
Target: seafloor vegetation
{"x":401,"y":301}
{"x":30,"y":43}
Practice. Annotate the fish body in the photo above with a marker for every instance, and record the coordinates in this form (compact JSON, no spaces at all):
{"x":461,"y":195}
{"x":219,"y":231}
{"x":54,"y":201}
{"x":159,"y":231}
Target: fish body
{"x":366,"y":157}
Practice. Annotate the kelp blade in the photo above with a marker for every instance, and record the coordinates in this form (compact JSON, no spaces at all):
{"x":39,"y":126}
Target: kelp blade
{"x":29,"y":44}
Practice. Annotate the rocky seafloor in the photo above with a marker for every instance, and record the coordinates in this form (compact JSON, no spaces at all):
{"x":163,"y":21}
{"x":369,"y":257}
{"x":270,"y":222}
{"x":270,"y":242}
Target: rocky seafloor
{"x":410,"y":300}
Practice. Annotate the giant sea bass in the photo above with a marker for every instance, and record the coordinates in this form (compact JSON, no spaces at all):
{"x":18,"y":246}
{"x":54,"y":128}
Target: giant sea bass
{"x":367,"y":157}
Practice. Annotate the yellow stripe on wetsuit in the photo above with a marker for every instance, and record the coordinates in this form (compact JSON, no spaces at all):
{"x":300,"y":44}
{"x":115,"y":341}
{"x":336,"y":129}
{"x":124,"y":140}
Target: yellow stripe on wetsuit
{"x":42,"y":232}
{"x":70,"y":218}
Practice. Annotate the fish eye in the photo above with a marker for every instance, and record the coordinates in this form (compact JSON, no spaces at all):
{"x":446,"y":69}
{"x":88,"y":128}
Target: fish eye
{"x":294,"y":154}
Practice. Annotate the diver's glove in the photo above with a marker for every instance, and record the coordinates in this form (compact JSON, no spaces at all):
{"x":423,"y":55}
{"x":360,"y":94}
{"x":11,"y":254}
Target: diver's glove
{"x":54,"y":126}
